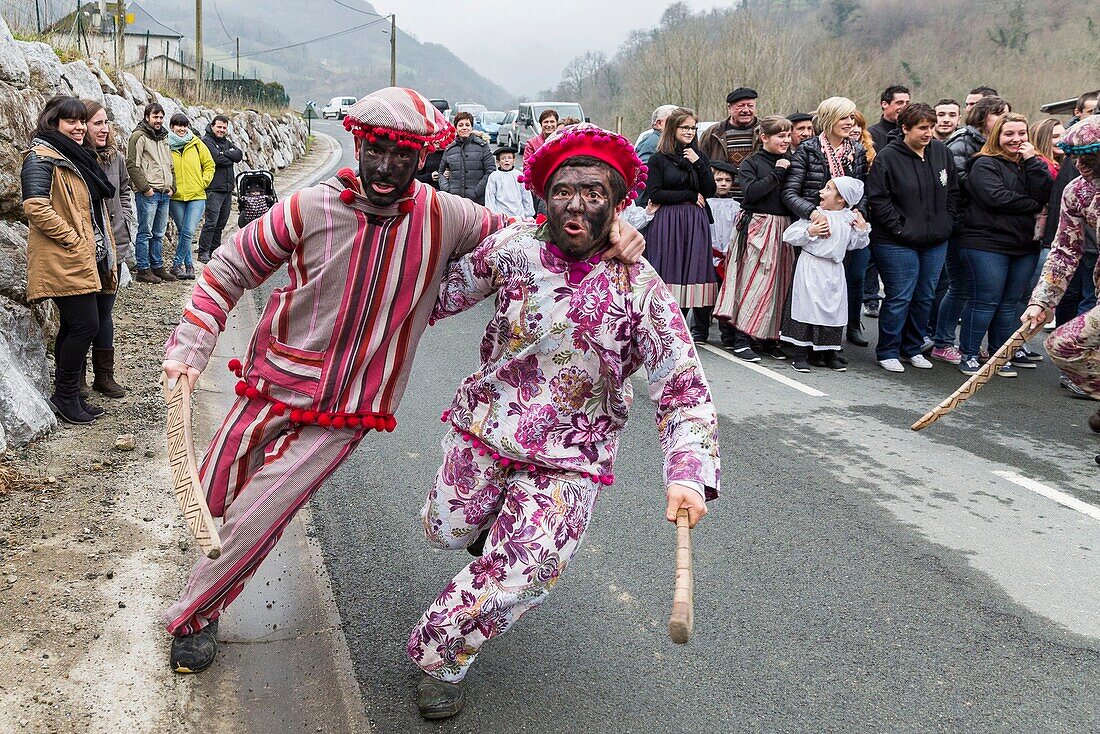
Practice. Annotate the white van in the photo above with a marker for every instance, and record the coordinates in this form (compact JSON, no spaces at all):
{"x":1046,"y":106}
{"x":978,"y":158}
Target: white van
{"x":337,"y":107}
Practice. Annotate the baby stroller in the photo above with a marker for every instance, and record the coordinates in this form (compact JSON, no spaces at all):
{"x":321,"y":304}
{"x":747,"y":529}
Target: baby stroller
{"x":255,"y":195}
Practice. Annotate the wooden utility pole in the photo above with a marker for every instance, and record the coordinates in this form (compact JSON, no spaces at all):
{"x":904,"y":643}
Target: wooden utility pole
{"x":38,"y":16}
{"x":120,"y":36}
{"x":393,"y":49}
{"x":198,"y":50}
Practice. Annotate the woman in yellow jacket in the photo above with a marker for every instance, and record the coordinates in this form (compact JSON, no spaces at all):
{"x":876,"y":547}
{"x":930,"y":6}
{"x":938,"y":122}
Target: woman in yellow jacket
{"x":194,"y":169}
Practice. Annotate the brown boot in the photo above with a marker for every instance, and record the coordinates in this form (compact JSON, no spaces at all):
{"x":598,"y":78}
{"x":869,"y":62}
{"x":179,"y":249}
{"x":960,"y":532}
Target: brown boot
{"x":103,"y":364}
{"x":146,"y":276}
{"x":82,"y":380}
{"x":164,"y":275}
{"x":1094,"y":421}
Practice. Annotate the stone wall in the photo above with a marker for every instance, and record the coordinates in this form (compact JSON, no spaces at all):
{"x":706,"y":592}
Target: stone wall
{"x":31,"y":73}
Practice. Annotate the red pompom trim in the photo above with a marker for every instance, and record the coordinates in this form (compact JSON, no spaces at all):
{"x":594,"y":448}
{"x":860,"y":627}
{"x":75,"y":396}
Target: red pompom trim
{"x":406,"y":206}
{"x":279,"y":408}
{"x":235,"y":365}
{"x":240,"y":388}
{"x":324,"y":420}
{"x":347,"y":196}
{"x":345,"y":173}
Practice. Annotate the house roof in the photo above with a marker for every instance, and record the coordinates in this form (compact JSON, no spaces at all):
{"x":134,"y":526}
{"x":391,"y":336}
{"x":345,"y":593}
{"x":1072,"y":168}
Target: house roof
{"x":143,"y":21}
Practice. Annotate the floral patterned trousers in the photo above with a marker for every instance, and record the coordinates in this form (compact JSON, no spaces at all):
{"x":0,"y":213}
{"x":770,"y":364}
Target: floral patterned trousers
{"x":536,"y":521}
{"x":1075,"y":349}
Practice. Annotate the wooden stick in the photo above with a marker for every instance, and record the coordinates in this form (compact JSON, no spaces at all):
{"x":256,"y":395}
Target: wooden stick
{"x":682,"y":619}
{"x":185,"y":473}
{"x":979,"y":378}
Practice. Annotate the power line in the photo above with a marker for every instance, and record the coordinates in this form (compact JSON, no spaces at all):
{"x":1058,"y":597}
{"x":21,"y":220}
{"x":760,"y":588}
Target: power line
{"x":312,"y":40}
{"x":221,"y":22}
{"x":359,"y":10}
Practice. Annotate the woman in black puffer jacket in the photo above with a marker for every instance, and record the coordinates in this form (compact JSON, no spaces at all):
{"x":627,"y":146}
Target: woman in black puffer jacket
{"x":678,"y":238}
{"x":813,"y":164}
{"x":467,"y":162}
{"x":1008,"y":184}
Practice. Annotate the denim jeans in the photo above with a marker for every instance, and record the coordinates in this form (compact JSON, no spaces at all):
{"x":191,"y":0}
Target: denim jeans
{"x":855,"y":273}
{"x":1032,"y":281}
{"x":152,"y":219}
{"x":909,"y":277}
{"x":954,"y":300}
{"x":1080,"y":292}
{"x":870,"y":282}
{"x":996,"y":283}
{"x":186,"y":216}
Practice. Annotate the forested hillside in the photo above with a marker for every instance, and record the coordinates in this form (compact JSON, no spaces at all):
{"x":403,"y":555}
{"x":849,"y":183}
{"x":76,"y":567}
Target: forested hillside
{"x":796,"y":52}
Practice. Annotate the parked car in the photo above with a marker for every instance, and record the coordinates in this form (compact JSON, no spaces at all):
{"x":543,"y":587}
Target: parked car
{"x":337,"y":107}
{"x":527,"y":119}
{"x":507,"y":131}
{"x":443,"y":106}
{"x":489,"y":122}
{"x":472,"y":107}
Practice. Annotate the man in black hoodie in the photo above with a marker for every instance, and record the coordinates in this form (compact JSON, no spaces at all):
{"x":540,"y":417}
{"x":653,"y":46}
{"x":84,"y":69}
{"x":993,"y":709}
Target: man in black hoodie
{"x":219,"y":194}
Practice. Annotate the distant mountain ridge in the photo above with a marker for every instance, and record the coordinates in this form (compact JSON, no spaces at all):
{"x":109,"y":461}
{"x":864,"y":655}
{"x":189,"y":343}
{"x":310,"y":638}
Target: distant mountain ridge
{"x":353,"y":63}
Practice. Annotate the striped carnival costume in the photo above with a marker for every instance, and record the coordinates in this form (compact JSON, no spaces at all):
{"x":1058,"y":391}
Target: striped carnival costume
{"x":1075,"y":345}
{"x":331,"y":355}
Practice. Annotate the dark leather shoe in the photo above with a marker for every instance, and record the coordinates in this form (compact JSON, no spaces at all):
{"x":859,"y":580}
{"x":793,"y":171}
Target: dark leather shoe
{"x":1094,"y":421}
{"x":855,"y":336}
{"x":438,"y":699}
{"x":196,"y":652}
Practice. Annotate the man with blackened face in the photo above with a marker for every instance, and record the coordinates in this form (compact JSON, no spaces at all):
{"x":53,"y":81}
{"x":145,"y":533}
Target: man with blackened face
{"x":584,"y":195}
{"x":539,"y":423}
{"x":387,"y":169}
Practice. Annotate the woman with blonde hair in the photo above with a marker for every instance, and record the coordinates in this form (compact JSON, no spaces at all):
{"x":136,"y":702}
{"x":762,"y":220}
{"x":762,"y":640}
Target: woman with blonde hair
{"x":1008,"y":185}
{"x":678,"y":238}
{"x":860,"y":134}
{"x":760,"y":264}
{"x":831,"y":154}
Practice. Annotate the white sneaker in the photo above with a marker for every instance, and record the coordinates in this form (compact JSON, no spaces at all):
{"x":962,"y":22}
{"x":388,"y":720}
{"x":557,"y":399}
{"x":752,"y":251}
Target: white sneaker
{"x":892,"y":365}
{"x":919,"y":361}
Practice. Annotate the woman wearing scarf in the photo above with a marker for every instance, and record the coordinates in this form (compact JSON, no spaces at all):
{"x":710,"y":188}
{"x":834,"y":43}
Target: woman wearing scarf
{"x":70,"y":246}
{"x":194,"y":169}
{"x":120,"y":207}
{"x":830,"y":155}
{"x":678,"y":238}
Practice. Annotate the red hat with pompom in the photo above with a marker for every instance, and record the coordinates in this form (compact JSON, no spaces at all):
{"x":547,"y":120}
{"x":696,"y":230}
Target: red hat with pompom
{"x":404,"y":115}
{"x":588,"y":140}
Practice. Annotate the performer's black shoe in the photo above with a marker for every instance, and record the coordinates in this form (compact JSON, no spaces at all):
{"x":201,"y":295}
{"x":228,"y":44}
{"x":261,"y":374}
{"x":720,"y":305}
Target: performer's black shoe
{"x":438,"y":699}
{"x":477,"y":548}
{"x":195,"y":653}
{"x":855,"y":336}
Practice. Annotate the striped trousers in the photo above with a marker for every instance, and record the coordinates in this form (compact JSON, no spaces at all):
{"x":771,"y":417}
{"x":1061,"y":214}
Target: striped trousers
{"x":1075,"y":348}
{"x":257,"y":473}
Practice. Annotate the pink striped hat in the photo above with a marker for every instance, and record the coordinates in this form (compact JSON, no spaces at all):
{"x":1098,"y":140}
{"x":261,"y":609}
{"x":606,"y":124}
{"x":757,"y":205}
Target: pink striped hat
{"x":402,"y":115}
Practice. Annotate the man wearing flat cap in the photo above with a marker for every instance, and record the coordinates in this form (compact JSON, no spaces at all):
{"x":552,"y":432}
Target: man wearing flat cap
{"x":732,"y":139}
{"x":802,"y":128}
{"x":329,"y":360}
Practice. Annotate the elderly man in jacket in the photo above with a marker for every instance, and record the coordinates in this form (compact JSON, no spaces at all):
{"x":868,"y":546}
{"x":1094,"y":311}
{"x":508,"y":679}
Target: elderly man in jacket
{"x":149,"y":163}
{"x":732,"y":139}
{"x":219,"y":194}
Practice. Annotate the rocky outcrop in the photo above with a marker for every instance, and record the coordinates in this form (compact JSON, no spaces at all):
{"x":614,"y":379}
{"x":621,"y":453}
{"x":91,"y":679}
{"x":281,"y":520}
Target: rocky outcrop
{"x":31,"y":73}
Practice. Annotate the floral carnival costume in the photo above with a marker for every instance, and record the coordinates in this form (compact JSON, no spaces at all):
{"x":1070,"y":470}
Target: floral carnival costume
{"x":1075,"y":345}
{"x":535,"y":431}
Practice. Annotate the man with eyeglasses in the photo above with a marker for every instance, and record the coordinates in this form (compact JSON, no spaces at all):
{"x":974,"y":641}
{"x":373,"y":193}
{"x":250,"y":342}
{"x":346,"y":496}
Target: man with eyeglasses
{"x":732,"y":139}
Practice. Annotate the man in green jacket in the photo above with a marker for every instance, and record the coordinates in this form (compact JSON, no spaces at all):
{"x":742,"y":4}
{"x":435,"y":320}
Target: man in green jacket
{"x":149,"y":163}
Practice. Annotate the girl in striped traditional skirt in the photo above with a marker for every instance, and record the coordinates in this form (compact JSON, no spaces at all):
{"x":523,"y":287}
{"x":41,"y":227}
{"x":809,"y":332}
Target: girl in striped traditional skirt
{"x":759,"y":263}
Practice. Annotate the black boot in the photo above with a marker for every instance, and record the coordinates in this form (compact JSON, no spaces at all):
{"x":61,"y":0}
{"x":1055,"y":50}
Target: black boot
{"x":66,"y":398}
{"x":103,"y":365}
{"x":195,"y":652}
{"x":438,"y":699}
{"x":855,"y":335}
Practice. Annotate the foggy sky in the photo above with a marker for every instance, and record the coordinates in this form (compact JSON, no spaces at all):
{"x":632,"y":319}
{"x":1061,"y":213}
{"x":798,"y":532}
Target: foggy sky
{"x":528,"y":53}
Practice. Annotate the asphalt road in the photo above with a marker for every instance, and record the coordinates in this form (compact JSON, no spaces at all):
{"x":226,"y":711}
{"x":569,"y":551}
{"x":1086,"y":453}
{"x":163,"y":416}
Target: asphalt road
{"x":854,"y":576}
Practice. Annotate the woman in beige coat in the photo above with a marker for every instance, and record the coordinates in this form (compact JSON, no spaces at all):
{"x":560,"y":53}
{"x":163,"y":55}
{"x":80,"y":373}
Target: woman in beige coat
{"x":70,"y":247}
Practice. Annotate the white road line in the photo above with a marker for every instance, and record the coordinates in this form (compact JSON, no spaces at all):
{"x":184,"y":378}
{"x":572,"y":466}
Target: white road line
{"x":783,"y":379}
{"x":1060,"y":497}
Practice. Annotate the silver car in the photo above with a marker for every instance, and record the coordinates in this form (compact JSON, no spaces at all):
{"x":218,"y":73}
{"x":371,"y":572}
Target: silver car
{"x":527,"y":118}
{"x":506,"y":135}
